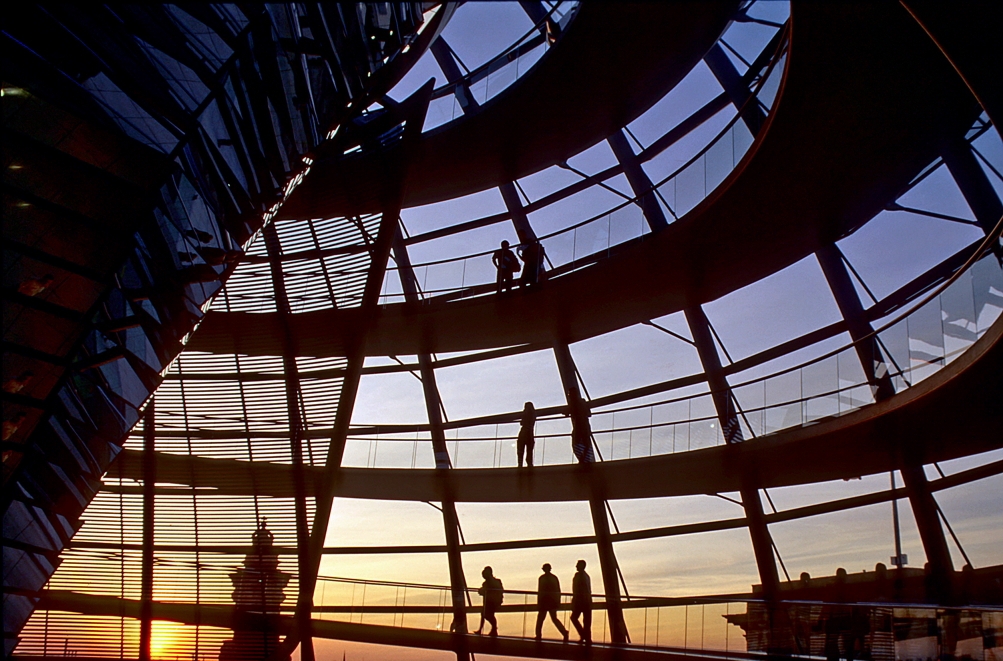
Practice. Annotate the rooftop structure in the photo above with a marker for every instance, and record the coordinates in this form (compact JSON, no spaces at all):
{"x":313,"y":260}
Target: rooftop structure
{"x":251,"y":272}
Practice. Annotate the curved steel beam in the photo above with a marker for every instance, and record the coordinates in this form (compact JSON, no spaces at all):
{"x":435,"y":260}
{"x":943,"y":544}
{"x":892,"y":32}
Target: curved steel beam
{"x":951,"y":414}
{"x":612,"y":63}
{"x":865,"y":104}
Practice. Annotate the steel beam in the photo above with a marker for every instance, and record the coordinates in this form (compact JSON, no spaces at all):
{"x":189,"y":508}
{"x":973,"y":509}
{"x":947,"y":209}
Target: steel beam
{"x":762,"y":544}
{"x":638,"y":179}
{"x":519,"y":218}
{"x":974,"y":185}
{"x":433,"y":407}
{"x":392,"y":195}
{"x":149,"y":488}
{"x":597,"y":501}
{"x":304,"y":603}
{"x":720,"y":65}
{"x":727,"y":415}
{"x":921,"y":499}
{"x":443,"y":55}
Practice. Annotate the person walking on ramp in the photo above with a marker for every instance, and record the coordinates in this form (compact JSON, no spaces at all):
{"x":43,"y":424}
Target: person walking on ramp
{"x":548,"y":600}
{"x":581,"y":603}
{"x":493,"y":593}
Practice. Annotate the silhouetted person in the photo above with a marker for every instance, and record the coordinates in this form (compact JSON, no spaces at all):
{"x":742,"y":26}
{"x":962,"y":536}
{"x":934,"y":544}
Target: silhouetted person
{"x":581,"y":603}
{"x":548,"y":600}
{"x":836,"y":620}
{"x":801,"y":617}
{"x":507,"y":264}
{"x":527,"y":439}
{"x":532,"y":254}
{"x":16,"y":385}
{"x":968,"y":587}
{"x":581,"y":431}
{"x":35,"y":286}
{"x":493,"y":593}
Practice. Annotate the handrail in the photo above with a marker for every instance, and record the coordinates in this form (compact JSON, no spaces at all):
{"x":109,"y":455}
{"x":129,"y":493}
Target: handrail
{"x":636,"y":199}
{"x":983,"y":251}
{"x":478,"y":73}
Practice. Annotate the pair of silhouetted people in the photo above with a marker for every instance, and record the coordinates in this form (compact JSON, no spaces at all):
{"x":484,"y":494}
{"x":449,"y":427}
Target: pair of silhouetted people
{"x":548,"y":600}
{"x":507,"y":264}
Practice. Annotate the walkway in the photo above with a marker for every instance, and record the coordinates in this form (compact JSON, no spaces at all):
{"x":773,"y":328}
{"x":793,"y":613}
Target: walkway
{"x":877,"y":118}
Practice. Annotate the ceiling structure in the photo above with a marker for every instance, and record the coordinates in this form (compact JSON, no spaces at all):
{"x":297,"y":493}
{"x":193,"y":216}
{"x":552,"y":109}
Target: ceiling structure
{"x":248,"y":174}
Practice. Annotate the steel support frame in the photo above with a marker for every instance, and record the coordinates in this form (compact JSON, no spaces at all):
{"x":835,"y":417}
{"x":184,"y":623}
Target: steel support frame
{"x":921,"y":499}
{"x":149,"y":495}
{"x":395,"y":167}
{"x":304,"y":602}
{"x":597,"y":502}
{"x":974,"y":184}
{"x":433,"y":407}
{"x":762,"y":544}
{"x":724,"y":71}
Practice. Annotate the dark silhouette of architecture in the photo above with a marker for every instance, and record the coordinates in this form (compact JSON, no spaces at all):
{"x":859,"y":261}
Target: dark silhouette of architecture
{"x":204,"y":201}
{"x":258,"y":592}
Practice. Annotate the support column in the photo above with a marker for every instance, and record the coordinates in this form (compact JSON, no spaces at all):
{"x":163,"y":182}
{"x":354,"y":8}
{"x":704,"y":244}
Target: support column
{"x":304,"y":602}
{"x":597,"y":501}
{"x":413,"y":110}
{"x":762,"y":544}
{"x":433,"y":408}
{"x":519,"y":218}
{"x":727,"y":415}
{"x":722,"y":68}
{"x":638,"y":180}
{"x":974,"y":185}
{"x":872,"y":360}
{"x":443,"y":55}
{"x":149,"y":487}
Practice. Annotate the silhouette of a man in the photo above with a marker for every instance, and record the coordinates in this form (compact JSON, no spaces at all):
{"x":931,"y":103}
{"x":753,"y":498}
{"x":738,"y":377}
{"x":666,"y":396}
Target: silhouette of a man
{"x":532,"y":254}
{"x":507,"y":264}
{"x":493,"y":592}
{"x":548,"y":600}
{"x":581,"y":603}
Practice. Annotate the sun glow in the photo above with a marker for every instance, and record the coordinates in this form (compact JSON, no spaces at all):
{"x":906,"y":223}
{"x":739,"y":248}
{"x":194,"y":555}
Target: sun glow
{"x":167,"y":639}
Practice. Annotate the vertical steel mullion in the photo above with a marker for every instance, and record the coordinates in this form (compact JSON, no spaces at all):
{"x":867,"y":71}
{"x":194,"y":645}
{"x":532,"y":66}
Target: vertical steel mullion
{"x":304,"y":604}
{"x":149,"y":484}
{"x":920,"y":496}
{"x":762,"y":544}
{"x":597,"y":502}
{"x":433,"y":406}
{"x":414,"y":109}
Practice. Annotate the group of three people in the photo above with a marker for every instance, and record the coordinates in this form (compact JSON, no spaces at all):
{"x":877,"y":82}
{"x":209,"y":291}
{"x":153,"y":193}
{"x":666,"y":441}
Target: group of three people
{"x":507,"y":263}
{"x":548,"y":600}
